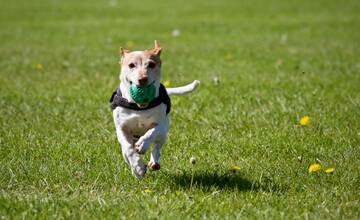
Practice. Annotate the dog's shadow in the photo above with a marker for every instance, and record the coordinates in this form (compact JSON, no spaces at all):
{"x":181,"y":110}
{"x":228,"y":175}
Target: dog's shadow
{"x":210,"y":181}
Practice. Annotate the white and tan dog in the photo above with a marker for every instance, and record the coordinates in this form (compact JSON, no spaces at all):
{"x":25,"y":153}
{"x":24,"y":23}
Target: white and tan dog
{"x":140,"y":125}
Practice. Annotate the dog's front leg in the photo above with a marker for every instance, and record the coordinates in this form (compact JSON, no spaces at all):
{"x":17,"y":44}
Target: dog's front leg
{"x":143,"y":144}
{"x":156,"y":135}
{"x":155,"y":153}
{"x":138,"y":167}
{"x":156,"y":132}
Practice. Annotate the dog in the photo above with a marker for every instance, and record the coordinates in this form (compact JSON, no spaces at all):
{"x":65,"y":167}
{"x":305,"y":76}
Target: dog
{"x":138,"y":125}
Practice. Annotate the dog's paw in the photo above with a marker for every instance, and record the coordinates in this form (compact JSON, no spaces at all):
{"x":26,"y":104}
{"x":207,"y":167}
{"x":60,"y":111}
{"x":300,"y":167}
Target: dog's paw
{"x":142,"y":145}
{"x":139,"y":170}
{"x":153,"y":166}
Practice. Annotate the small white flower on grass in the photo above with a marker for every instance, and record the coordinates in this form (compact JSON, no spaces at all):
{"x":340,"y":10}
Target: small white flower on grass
{"x":175,"y":33}
{"x":192,"y":160}
{"x":216,"y":80}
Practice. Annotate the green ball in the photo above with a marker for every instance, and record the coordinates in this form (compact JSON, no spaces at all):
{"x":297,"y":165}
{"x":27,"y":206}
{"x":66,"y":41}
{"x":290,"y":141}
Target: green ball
{"x":142,"y":94}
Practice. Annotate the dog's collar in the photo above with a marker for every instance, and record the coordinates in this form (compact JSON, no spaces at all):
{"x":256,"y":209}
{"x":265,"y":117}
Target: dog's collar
{"x":117,"y":100}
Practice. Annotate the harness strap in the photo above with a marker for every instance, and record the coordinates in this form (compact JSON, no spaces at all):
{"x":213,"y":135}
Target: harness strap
{"x":117,"y":100}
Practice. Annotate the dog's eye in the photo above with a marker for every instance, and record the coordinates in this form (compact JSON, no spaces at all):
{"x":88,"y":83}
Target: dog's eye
{"x":151,"y":65}
{"x":131,"y":65}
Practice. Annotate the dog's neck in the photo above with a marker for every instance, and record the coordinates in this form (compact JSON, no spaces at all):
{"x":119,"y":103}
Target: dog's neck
{"x":125,"y":91}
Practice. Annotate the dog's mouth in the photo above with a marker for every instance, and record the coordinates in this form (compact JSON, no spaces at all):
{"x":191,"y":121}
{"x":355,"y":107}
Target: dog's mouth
{"x":131,"y":82}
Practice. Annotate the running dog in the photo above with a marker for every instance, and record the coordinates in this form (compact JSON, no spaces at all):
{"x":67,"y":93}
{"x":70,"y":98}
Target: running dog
{"x":140,"y":124}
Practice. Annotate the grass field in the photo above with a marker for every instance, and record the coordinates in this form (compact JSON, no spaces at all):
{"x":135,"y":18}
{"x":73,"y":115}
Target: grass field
{"x":263,"y":65}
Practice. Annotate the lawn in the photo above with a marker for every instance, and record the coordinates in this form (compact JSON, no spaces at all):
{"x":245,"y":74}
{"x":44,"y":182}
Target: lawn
{"x":262,"y":65}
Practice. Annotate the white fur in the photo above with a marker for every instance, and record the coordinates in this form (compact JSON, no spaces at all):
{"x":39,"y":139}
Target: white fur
{"x":151,"y":125}
{"x":183,"y":89}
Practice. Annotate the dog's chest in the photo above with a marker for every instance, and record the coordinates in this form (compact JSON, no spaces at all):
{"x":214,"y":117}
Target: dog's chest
{"x":138,"y":122}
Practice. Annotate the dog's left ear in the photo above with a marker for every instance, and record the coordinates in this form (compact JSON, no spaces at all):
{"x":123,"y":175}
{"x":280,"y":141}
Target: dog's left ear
{"x":157,"y":48}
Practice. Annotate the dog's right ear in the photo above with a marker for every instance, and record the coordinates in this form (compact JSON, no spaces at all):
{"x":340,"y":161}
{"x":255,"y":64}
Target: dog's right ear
{"x":122,"y":53}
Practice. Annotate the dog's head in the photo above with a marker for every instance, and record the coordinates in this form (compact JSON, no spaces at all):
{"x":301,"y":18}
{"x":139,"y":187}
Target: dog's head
{"x":140,"y":67}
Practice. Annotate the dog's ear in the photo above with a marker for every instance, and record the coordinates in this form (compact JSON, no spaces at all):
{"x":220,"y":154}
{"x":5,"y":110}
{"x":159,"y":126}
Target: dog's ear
{"x":157,"y":48}
{"x":122,"y":53}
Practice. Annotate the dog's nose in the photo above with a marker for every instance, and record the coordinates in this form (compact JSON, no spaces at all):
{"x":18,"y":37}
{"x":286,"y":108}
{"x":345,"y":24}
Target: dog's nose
{"x":143,"y":80}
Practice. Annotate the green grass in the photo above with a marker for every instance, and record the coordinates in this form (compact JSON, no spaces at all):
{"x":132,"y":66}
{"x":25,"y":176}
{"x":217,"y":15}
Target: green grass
{"x":275,"y":60}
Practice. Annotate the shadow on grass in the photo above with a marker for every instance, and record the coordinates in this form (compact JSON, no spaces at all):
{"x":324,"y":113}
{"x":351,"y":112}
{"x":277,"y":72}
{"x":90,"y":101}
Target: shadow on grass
{"x":228,"y":181}
{"x":207,"y":181}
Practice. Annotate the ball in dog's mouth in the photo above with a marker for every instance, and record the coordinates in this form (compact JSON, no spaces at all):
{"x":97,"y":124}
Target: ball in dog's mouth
{"x":142,"y":95}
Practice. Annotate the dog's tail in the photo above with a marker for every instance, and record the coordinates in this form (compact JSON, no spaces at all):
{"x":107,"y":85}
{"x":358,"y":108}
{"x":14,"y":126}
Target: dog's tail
{"x":182,"y":90}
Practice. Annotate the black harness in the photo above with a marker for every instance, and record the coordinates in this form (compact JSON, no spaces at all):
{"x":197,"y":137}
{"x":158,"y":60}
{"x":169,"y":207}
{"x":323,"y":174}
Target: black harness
{"x":117,"y":100}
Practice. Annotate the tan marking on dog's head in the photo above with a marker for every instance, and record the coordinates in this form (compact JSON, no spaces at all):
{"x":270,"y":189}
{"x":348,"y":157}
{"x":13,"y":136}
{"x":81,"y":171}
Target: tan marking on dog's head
{"x":141,"y":67}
